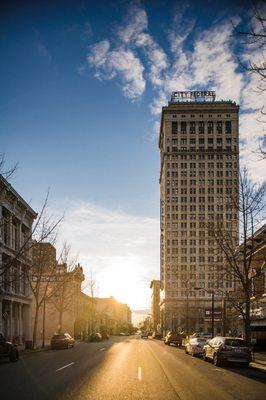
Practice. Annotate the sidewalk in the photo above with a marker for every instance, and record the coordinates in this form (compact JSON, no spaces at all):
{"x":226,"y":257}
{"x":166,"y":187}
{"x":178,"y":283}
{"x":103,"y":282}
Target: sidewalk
{"x":259,"y":361}
{"x":22,"y":350}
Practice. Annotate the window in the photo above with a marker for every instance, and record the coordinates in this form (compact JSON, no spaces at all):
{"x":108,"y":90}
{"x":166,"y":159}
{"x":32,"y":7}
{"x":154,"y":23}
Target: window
{"x":219,"y":127}
{"x":192,"y":127}
{"x":174,"y":127}
{"x":228,"y":127}
{"x":183,"y":127}
{"x":201,"y":127}
{"x":210,"y":127}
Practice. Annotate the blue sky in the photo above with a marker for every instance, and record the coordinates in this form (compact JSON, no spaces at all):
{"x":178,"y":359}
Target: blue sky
{"x":82,"y":85}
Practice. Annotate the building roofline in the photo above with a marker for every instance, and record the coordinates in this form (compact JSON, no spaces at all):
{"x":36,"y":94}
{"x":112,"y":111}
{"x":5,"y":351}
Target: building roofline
{"x":9,"y":187}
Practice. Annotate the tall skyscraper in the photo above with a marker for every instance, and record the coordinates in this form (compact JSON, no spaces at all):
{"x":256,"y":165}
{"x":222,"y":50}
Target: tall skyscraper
{"x":199,"y":174}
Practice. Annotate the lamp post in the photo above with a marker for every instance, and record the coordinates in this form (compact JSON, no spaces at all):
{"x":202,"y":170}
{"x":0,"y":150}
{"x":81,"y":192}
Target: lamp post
{"x":212,"y":308}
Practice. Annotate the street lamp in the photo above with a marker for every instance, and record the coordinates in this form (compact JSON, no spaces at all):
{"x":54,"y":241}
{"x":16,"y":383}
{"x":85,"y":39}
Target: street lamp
{"x":212,"y":313}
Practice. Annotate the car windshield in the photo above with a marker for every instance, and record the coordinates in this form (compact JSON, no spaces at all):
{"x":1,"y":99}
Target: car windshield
{"x":235,"y":342}
{"x":201,"y":341}
{"x":59,"y":337}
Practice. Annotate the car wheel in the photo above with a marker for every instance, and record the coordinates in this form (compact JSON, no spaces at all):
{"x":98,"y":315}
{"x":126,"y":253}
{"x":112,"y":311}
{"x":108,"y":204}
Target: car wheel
{"x":216,"y":360}
{"x":246,"y":364}
{"x":14,"y":356}
{"x":204,"y":356}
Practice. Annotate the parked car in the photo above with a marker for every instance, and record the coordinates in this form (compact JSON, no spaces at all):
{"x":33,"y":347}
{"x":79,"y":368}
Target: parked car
{"x":62,"y":341}
{"x":227,"y":349}
{"x":95,"y":337}
{"x":8,"y":349}
{"x":194,"y":346}
{"x":173,"y":337}
{"x":157,"y":335}
{"x":144,"y":335}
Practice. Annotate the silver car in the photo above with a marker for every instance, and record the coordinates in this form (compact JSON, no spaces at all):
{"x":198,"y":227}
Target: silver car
{"x":227,"y":349}
{"x":194,"y":346}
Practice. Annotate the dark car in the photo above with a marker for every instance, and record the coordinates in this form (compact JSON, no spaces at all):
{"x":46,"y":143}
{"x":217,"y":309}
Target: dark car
{"x":144,"y":335}
{"x":173,"y":337}
{"x":156,"y":335}
{"x":96,"y":337}
{"x":227,"y":349}
{"x":62,"y":341}
{"x":8,"y":349}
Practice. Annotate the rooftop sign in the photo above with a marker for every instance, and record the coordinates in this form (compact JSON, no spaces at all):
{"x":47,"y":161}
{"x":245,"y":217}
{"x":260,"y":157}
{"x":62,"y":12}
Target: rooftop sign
{"x":202,"y":95}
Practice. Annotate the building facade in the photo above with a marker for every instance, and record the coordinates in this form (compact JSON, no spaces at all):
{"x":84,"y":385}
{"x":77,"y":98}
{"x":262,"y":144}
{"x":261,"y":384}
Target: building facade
{"x":258,"y":304}
{"x":155,"y":286}
{"x":199,"y":172}
{"x":16,"y":219}
{"x":59,"y":295}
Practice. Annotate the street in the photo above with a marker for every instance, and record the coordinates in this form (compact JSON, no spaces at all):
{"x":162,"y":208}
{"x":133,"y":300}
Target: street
{"x":125,"y":368}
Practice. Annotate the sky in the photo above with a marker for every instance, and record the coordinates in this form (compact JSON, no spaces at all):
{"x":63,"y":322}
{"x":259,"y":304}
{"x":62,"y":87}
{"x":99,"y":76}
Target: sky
{"x":82,"y":86}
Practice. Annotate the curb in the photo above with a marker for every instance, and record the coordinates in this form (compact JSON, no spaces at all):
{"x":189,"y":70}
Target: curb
{"x":257,"y":367}
{"x":25,"y":352}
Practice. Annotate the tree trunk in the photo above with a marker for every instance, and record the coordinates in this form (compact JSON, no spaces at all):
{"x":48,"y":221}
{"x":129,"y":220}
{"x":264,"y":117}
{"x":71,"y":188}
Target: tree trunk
{"x":247,"y":321}
{"x":60,"y":319}
{"x":35,"y":325}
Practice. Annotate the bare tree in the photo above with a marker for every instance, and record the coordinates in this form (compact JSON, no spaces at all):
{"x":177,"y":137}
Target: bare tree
{"x":6,"y":172}
{"x":92,"y":289}
{"x":67,"y":286}
{"x":40,"y":277}
{"x":238,"y":250}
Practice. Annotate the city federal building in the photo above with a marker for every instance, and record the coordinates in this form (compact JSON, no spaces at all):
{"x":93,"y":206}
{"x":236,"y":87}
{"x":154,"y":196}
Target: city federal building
{"x":199,"y":166}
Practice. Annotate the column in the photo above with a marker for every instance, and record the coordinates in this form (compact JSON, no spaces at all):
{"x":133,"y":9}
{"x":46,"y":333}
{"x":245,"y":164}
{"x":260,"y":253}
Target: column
{"x":10,"y":333}
{"x":20,"y":326}
{"x":1,"y":317}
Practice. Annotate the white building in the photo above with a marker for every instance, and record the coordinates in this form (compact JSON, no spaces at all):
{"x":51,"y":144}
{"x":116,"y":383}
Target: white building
{"x":16,"y":219}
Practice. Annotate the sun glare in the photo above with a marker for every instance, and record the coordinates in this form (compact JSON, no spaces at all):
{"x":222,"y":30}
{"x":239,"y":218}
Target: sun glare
{"x":123,"y":281}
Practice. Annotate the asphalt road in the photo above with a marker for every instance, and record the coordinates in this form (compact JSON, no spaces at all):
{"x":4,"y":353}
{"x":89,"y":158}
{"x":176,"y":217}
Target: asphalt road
{"x":125,"y":368}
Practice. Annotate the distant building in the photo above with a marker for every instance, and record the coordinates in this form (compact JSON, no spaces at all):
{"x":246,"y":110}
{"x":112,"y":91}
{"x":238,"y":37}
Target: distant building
{"x":64,"y":301}
{"x":155,"y":304}
{"x":111,"y":315}
{"x":16,"y":219}
{"x":199,"y":172}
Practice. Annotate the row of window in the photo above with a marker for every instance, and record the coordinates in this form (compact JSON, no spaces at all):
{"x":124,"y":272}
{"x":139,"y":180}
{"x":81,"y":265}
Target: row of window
{"x":203,"y":115}
{"x":175,"y":157}
{"x":185,"y":141}
{"x":184,"y":127}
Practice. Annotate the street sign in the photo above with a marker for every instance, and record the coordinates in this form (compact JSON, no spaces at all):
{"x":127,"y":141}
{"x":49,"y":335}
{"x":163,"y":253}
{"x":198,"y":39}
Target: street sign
{"x":217,"y":314}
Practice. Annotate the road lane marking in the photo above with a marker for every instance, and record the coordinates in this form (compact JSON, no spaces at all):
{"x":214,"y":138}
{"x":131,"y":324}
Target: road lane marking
{"x":102,"y":349}
{"x":139,"y":374}
{"x":65,"y":366}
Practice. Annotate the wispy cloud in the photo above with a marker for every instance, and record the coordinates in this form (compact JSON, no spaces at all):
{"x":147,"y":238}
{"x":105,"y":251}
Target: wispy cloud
{"x":121,"y":250}
{"x":198,"y":59}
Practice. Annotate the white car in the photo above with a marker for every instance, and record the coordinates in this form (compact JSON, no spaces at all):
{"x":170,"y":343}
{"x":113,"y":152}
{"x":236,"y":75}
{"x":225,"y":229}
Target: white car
{"x":194,"y":346}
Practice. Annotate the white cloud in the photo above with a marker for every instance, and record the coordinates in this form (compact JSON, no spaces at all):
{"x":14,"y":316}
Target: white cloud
{"x":121,"y":249}
{"x":120,"y":63}
{"x":123,"y":60}
{"x":209,"y":62}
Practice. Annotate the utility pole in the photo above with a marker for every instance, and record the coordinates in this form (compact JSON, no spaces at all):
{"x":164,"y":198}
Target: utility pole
{"x":187,"y":307}
{"x":224,"y":316}
{"x":43,"y":322}
{"x":212,"y":293}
